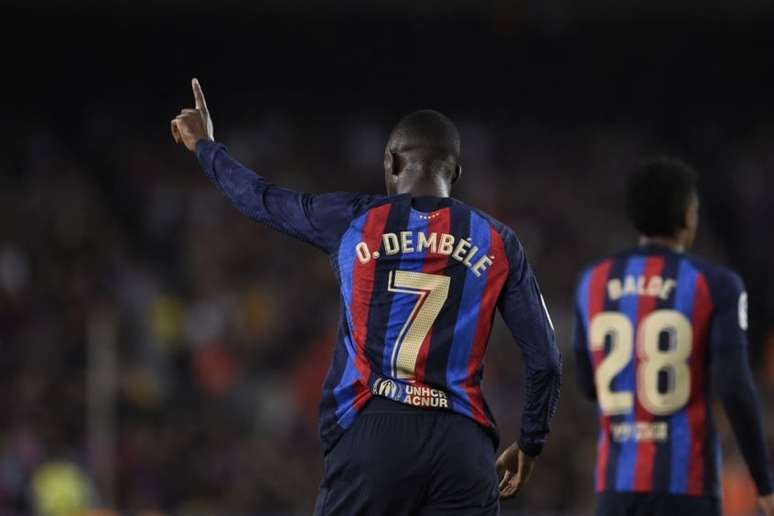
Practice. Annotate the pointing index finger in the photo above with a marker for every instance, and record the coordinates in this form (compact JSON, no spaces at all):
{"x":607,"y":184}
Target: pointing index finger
{"x":201,"y":104}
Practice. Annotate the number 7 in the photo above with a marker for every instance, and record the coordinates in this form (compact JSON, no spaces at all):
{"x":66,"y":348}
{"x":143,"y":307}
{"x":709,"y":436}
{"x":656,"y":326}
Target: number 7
{"x":432,"y":291}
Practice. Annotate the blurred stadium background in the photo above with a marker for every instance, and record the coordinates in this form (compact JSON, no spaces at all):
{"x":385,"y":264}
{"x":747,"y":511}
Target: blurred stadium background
{"x":161,"y":354}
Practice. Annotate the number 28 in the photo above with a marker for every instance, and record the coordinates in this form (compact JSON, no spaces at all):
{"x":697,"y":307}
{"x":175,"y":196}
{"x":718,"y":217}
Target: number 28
{"x":653,"y":360}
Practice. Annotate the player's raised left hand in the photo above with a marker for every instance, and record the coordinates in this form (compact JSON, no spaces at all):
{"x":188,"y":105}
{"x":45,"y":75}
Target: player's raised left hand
{"x":515,"y":467}
{"x":192,"y":125}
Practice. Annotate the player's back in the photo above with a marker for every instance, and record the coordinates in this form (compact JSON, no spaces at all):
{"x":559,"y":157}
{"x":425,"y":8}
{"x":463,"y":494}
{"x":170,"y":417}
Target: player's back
{"x":420,"y":279}
{"x":645,"y":322}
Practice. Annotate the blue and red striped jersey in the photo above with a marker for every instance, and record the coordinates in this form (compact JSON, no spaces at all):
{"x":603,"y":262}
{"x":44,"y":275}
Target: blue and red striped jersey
{"x":648,"y":323}
{"x":420,"y":278}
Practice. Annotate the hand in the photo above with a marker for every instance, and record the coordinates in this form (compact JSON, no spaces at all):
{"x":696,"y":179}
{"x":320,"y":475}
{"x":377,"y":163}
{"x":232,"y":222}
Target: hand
{"x":192,"y":125}
{"x":515,"y":468}
{"x":767,"y":504}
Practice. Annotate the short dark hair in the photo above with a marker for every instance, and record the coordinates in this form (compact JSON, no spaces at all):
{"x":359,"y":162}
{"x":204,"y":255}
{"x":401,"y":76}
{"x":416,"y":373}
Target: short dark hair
{"x":425,"y":129}
{"x":657,"y":195}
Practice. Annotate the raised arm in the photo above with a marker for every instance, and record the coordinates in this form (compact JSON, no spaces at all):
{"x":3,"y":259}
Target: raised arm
{"x":317,"y":219}
{"x":733,"y":381}
{"x":524,"y":311}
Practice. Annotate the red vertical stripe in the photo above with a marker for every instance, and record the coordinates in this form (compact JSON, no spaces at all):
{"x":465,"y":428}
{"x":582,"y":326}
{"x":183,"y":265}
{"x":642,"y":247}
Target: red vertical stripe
{"x":596,"y":299}
{"x":495,"y":277}
{"x":646,"y":450}
{"x":362,"y":288}
{"x":440,"y":222}
{"x":697,"y":405}
{"x":596,"y":302}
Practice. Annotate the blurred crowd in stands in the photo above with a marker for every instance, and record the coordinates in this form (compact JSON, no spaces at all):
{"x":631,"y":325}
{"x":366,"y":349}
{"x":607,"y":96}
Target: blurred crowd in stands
{"x":221,"y":330}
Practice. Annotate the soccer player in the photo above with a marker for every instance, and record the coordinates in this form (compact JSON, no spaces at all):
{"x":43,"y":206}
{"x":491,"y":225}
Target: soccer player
{"x":655,"y":327}
{"x":404,"y":426}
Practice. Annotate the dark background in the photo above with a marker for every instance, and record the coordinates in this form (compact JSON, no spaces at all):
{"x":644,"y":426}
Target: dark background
{"x":162,"y":353}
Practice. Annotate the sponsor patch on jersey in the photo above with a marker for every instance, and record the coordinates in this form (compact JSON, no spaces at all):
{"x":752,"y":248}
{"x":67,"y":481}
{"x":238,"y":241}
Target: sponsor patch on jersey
{"x":410,"y":393}
{"x":640,"y":431}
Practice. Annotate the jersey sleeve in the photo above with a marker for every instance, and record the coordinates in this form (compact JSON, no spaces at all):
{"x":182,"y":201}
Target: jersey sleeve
{"x":729,"y":321}
{"x":524,"y":311}
{"x":584,"y":367}
{"x":319,"y":219}
{"x":733,"y":378}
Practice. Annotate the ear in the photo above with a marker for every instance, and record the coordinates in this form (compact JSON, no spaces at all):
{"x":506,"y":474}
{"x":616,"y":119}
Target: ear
{"x":391,"y":165}
{"x":388,"y":159}
{"x":457,"y":174}
{"x":692,"y":214}
{"x":687,"y":216}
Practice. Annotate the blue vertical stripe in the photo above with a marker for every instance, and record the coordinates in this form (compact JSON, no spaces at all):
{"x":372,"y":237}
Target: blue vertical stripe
{"x":403,"y":304}
{"x":583,"y":304}
{"x":679,"y":429}
{"x":344,"y":391}
{"x":467,"y":319}
{"x":346,"y":262}
{"x":626,"y":381}
{"x":583,"y":294}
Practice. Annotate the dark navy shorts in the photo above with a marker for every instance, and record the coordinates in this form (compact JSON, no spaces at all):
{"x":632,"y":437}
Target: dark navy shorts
{"x":400,"y":460}
{"x":656,"y":504}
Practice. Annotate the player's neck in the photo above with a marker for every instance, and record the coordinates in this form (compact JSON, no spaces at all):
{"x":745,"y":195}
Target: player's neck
{"x":673,"y":243}
{"x":432,"y":186}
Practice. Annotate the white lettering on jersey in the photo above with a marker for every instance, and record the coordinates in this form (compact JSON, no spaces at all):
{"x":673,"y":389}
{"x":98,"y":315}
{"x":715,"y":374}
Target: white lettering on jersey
{"x":655,"y":286}
{"x":463,"y":250}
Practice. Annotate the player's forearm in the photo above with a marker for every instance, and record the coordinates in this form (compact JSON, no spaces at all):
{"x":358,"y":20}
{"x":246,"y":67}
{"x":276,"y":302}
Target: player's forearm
{"x":744,"y":414}
{"x":541,"y":398}
{"x":279,"y":208}
{"x":737,"y":392}
{"x":243,"y":187}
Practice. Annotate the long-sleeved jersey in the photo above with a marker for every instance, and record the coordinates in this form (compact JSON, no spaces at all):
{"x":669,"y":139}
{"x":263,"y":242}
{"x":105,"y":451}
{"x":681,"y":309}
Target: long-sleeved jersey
{"x":419,"y":279}
{"x":654,"y":328}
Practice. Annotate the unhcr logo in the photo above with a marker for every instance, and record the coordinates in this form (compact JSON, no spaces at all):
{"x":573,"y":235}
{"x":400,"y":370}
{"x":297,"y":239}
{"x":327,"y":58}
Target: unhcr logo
{"x":385,"y":387}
